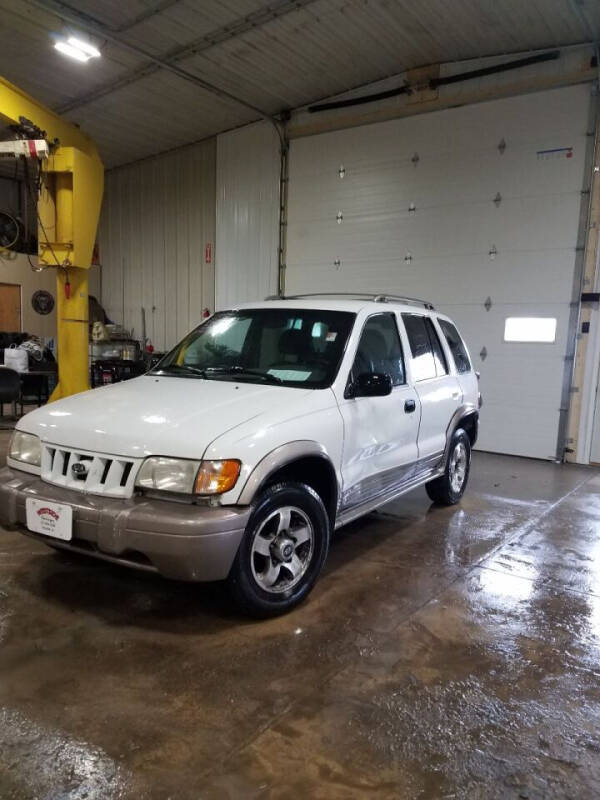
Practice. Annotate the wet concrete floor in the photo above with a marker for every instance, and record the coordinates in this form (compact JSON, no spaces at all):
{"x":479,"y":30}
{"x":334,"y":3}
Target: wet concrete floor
{"x":445,"y":653}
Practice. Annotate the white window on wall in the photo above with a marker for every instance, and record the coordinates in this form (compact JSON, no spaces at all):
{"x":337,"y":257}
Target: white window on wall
{"x":530,"y":329}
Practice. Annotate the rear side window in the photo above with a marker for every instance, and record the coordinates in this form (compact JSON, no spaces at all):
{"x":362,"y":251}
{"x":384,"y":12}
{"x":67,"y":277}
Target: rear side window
{"x":379,"y":349}
{"x":457,"y":347}
{"x":428,"y":357}
{"x":441,"y":365}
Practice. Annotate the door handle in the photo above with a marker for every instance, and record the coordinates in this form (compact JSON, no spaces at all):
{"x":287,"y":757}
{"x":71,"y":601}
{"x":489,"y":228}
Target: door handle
{"x":409,"y":406}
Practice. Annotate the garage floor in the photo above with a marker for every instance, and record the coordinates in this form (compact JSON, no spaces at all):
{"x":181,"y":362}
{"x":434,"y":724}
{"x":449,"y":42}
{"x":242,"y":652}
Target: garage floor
{"x":445,"y":653}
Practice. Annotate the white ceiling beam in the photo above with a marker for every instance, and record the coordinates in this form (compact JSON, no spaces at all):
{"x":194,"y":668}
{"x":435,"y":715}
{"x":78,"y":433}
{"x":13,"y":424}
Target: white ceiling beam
{"x":575,"y":65}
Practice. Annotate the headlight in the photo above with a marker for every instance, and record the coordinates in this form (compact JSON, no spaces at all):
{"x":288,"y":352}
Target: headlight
{"x":217,"y":477}
{"x":168,"y":474}
{"x":187,"y":477}
{"x":25,"y":447}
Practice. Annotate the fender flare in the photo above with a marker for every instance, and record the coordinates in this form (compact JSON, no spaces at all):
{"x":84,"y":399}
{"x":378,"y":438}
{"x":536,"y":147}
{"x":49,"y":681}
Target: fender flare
{"x":465,"y":410}
{"x":280,"y":457}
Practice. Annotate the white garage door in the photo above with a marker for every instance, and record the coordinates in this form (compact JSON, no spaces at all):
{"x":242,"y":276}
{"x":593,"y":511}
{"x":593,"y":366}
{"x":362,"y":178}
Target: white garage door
{"x":458,"y":206}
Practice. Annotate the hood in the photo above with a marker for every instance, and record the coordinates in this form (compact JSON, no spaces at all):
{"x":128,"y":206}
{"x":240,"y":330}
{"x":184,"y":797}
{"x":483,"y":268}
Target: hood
{"x":156,"y":415}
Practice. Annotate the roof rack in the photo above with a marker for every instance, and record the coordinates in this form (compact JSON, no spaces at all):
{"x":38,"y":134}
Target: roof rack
{"x":376,"y":298}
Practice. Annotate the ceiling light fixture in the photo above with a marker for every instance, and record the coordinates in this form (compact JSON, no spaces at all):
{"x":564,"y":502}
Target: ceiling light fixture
{"x":77,"y":49}
{"x":87,"y":48}
{"x":73,"y":52}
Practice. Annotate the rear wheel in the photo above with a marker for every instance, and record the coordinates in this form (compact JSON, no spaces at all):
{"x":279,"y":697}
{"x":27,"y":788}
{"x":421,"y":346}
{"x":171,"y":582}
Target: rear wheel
{"x":450,"y":487}
{"x":283,"y":550}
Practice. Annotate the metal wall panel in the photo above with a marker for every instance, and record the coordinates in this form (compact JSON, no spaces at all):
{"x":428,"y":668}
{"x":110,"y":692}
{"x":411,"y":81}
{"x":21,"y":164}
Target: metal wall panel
{"x":408,"y":206}
{"x":247,"y":214}
{"x":158,"y":217}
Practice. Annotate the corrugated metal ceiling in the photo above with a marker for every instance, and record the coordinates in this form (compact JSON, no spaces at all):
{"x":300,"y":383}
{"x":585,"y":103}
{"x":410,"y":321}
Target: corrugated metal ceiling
{"x":277,"y":55}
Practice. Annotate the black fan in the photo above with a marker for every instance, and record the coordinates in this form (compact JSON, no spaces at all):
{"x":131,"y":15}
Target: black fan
{"x":9,"y":230}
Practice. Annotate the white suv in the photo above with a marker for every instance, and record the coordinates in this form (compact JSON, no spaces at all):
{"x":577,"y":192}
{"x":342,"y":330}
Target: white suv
{"x":266,"y":428}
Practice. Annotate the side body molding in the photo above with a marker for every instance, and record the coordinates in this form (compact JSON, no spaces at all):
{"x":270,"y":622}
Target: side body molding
{"x":280,"y":457}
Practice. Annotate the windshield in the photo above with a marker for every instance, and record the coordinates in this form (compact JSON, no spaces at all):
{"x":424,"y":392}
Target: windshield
{"x":287,"y":346}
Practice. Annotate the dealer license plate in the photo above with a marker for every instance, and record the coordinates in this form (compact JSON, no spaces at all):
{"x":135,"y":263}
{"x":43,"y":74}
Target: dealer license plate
{"x":51,"y":519}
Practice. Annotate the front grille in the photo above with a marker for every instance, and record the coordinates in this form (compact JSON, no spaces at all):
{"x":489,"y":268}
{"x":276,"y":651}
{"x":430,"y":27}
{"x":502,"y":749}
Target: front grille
{"x":95,"y":473}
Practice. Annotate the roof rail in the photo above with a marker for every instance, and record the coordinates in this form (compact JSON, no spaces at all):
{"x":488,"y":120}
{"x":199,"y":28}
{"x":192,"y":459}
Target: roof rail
{"x":385,"y":298}
{"x":376,"y":298}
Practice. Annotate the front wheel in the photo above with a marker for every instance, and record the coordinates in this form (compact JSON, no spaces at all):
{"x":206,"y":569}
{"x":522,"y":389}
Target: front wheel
{"x":283,"y":550}
{"x":450,"y":487}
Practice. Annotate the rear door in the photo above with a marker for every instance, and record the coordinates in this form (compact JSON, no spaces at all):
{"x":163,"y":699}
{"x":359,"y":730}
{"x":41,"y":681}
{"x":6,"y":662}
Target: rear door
{"x":439,"y":391}
{"x":380,"y":433}
{"x":463,"y":367}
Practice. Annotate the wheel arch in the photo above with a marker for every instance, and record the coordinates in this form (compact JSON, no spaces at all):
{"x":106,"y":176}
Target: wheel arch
{"x":304,"y":461}
{"x":466,"y":417}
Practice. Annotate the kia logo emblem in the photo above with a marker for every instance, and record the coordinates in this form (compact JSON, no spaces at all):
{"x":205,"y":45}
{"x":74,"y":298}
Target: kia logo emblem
{"x":79,"y":469}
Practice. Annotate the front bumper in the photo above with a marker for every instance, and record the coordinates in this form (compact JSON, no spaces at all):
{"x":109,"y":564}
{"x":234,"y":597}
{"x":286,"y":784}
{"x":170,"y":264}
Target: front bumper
{"x":178,"y":540}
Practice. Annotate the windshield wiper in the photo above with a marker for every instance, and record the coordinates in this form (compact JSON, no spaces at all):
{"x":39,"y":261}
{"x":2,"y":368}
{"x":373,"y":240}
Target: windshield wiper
{"x":236,"y":369}
{"x":183,"y":368}
{"x":208,"y":372}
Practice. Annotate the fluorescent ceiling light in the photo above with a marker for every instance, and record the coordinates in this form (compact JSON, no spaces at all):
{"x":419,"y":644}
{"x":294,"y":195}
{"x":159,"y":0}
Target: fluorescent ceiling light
{"x":86,"y":47}
{"x":72,"y":52}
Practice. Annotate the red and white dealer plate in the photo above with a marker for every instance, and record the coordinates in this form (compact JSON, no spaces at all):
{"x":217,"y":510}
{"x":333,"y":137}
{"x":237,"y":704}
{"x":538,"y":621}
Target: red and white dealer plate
{"x":51,"y":519}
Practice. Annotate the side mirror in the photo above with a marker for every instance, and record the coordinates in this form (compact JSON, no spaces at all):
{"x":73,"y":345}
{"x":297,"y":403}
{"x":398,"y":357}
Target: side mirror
{"x":372,"y":384}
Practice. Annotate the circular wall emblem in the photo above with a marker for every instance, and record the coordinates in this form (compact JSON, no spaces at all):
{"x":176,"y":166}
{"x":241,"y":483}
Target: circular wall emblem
{"x":42,"y":301}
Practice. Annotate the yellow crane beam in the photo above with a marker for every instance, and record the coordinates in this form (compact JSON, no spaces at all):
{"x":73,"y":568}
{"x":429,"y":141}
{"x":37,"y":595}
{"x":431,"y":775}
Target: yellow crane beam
{"x":68,"y":213}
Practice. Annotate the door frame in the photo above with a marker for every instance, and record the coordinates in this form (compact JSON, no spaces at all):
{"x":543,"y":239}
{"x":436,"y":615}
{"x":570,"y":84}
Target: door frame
{"x":591,"y":386}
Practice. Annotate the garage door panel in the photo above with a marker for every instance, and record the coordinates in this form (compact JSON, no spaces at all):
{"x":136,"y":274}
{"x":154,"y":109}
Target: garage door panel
{"x":482,"y":327}
{"x":517,"y":430}
{"x":448,"y":280}
{"x":394,"y":181}
{"x":501,"y":377}
{"x":457,"y":247}
{"x":531,"y":122}
{"x":471,"y":279}
{"x":444,"y":232}
{"x":522,"y":367}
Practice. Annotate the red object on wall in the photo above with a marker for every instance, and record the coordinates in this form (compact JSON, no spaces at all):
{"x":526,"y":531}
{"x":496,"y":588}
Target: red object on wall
{"x":208,"y":253}
{"x":206,"y":313}
{"x":67,"y":289}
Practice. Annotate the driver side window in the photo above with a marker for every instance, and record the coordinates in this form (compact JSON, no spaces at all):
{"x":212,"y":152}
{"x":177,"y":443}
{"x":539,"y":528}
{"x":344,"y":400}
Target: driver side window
{"x":379,"y":349}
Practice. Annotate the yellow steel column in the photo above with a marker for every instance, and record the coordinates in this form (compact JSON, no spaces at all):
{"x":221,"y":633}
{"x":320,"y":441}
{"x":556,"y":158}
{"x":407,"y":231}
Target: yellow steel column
{"x":72,"y":329}
{"x":71,"y":310}
{"x":69,"y":208}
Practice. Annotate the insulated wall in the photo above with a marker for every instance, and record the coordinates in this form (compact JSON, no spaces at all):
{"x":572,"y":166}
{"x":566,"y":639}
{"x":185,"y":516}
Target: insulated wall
{"x":157,"y":243}
{"x":476,"y":209}
{"x":247,"y":214}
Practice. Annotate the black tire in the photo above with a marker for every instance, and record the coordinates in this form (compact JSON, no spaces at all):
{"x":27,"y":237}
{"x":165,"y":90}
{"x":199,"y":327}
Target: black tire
{"x":252,"y":571}
{"x":443,"y":490}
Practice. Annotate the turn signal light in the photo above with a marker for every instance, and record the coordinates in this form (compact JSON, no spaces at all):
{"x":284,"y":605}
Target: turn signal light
{"x":217,"y":477}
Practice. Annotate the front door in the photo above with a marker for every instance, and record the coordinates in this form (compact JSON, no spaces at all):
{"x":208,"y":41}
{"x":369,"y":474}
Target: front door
{"x":380,"y":433}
